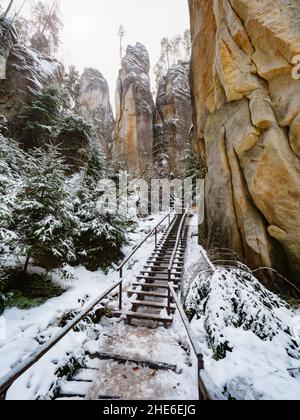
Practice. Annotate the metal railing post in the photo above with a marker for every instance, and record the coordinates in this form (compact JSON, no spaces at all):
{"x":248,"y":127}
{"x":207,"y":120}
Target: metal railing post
{"x":169,"y":293}
{"x":155,"y":237}
{"x":202,"y":391}
{"x":121,"y":291}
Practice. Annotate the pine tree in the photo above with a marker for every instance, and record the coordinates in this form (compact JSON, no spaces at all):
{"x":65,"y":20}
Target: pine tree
{"x":100,"y":234}
{"x":70,"y":89}
{"x":39,"y":120}
{"x":73,"y":137}
{"x":194,"y":166}
{"x":43,"y":212}
{"x":11,"y":166}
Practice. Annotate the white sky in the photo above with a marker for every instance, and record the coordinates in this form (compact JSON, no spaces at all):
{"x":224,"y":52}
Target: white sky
{"x":90,"y":35}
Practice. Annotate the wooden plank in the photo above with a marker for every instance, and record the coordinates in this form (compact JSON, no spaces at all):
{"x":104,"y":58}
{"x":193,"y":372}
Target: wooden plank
{"x":164,"y":267}
{"x":176,"y":280}
{"x":154,"y":285}
{"x":147,"y":294}
{"x":149,"y":304}
{"x":148,"y":317}
{"x":155,"y":273}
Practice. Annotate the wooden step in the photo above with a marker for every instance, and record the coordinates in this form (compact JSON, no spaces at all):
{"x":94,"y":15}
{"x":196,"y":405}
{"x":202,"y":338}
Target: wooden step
{"x":154,"y":285}
{"x":147,"y":294}
{"x":149,"y":304}
{"x":164,"y":267}
{"x":155,"y":273}
{"x":148,"y":317}
{"x":176,"y":280}
{"x":168,"y":255}
{"x":179,"y":260}
{"x":169,"y":251}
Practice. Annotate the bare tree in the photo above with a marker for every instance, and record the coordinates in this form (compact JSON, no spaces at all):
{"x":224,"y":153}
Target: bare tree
{"x":173,"y":49}
{"x":121,"y":35}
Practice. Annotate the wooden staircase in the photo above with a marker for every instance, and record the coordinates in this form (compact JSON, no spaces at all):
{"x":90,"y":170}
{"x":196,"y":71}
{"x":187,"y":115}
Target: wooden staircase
{"x":150,"y":292}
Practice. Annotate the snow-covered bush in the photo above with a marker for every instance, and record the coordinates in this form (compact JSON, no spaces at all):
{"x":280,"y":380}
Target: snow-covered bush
{"x":234,"y":298}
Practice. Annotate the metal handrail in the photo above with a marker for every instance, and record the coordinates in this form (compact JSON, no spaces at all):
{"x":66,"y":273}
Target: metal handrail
{"x":7,"y":380}
{"x":127,"y":259}
{"x":178,"y":239}
{"x":154,"y":230}
{"x":203,"y":395}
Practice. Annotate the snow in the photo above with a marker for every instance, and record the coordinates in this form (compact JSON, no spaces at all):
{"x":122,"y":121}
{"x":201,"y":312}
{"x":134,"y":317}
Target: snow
{"x":255,"y":368}
{"x":27,"y":329}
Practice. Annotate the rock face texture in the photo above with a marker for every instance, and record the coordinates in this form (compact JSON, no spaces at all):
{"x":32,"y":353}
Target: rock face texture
{"x":94,"y":105}
{"x":246,"y":102}
{"x":8,"y":38}
{"x":173,"y":121}
{"x":134,"y":112}
{"x":27,"y":73}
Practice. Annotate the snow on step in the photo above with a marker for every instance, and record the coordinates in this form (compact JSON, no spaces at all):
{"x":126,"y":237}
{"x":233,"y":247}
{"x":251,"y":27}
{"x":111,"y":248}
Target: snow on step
{"x":74,"y":389}
{"x":84,"y":375}
{"x":91,"y":363}
{"x":131,"y":381}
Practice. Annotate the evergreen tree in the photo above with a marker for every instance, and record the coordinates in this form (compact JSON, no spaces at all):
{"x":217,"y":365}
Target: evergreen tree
{"x":43,"y":212}
{"x":11,"y":164}
{"x":39,"y":120}
{"x":70,"y":89}
{"x":194,"y":166}
{"x":73,"y":137}
{"x":100,"y":234}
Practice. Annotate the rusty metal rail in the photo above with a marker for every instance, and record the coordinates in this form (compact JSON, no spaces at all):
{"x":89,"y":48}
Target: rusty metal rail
{"x":13,"y":375}
{"x":203,"y":395}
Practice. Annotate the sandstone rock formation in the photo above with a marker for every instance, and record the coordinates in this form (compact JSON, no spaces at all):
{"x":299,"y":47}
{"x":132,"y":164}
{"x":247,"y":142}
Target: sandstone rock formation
{"x":94,"y":105}
{"x":134,"y":112}
{"x":27,"y":73}
{"x":173,"y":121}
{"x":247,"y":127}
{"x":8,"y":38}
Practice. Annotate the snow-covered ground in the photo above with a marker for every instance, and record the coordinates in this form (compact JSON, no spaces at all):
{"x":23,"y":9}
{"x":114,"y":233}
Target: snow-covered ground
{"x":24,"y":330}
{"x":255,"y":368}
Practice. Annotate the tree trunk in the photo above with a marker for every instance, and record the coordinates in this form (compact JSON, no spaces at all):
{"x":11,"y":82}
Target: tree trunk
{"x":26,"y":263}
{"x":8,"y":9}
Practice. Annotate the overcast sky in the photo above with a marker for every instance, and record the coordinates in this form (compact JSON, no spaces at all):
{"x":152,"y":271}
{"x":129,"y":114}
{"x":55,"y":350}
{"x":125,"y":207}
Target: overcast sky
{"x":90,"y":35}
